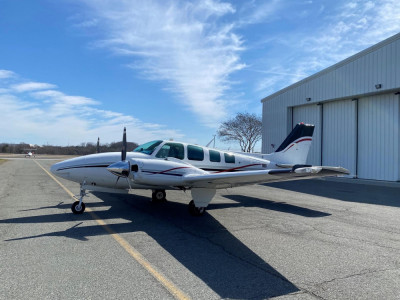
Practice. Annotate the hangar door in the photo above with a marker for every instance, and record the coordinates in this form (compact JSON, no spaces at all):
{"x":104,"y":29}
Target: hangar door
{"x":378,"y":137}
{"x":339,"y":134}
{"x":310,"y":114}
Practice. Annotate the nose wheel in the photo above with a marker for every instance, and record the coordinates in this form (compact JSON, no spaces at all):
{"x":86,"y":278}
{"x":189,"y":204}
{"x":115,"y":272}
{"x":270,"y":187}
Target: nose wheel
{"x":79,"y":207}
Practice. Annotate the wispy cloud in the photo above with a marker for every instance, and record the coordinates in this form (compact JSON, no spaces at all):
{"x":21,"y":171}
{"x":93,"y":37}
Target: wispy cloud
{"x":185,"y":44}
{"x":59,"y":97}
{"x":33,"y":115}
{"x":32,"y":86}
{"x":256,"y":12}
{"x":6,"y":74}
{"x":352,"y":27}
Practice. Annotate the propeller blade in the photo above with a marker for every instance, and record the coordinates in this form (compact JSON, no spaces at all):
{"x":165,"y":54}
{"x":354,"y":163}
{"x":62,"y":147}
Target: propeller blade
{"x":123,"y":152}
{"x":120,"y":169}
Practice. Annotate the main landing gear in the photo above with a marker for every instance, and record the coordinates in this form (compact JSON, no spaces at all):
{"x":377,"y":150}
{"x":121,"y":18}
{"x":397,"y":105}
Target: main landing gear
{"x":158,"y":196}
{"x":79,"y":207}
{"x":196,"y":211}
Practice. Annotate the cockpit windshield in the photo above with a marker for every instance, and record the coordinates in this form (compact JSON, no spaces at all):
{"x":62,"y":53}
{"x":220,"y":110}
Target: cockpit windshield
{"x":148,"y":148}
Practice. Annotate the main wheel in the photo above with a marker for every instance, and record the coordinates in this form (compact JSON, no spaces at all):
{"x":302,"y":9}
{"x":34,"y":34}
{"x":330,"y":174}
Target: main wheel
{"x":76,"y":209}
{"x":158,"y":196}
{"x":196,"y":211}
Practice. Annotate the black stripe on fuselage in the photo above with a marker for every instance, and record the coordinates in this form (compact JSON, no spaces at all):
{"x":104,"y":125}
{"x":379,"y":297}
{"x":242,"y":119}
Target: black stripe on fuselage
{"x":84,"y":166}
{"x":161,"y":173}
{"x":152,"y":172}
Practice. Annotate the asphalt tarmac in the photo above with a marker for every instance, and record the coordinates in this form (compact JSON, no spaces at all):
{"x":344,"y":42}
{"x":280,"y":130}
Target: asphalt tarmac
{"x":311,"y":239}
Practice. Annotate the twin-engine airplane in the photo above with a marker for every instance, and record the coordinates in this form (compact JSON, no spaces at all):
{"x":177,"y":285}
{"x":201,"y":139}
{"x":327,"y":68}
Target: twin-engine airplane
{"x":166,"y":165}
{"x":30,"y":153}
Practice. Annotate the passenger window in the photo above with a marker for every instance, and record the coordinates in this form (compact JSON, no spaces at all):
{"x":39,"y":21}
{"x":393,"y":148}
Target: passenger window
{"x":171,"y":150}
{"x":229,"y":158}
{"x":215,"y":156}
{"x":195,"y":152}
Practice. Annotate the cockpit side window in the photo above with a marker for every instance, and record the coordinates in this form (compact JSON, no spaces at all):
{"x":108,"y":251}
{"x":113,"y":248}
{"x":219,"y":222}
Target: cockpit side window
{"x":175,"y":150}
{"x":148,"y":148}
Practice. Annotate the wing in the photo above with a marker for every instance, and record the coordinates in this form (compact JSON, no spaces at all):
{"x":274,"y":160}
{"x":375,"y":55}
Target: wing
{"x":226,"y":180}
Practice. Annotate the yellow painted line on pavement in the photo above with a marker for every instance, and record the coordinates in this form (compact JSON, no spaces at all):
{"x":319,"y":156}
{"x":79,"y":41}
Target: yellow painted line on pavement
{"x":169,"y":285}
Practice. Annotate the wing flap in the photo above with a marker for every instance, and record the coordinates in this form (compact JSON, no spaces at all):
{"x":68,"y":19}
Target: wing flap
{"x":220,"y":180}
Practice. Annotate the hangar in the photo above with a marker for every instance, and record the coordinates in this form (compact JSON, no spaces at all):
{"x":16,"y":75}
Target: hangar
{"x":355,"y":107}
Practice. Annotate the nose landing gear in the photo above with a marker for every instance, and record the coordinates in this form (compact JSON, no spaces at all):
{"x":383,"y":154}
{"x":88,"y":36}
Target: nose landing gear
{"x":79,"y":207}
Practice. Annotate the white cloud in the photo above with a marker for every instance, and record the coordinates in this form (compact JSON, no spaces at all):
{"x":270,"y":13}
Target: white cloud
{"x":353,"y":27}
{"x":181,"y":43}
{"x":51,"y":116}
{"x":59,"y":97}
{"x":6,"y":74}
{"x":259,"y":12}
{"x":32,"y":86}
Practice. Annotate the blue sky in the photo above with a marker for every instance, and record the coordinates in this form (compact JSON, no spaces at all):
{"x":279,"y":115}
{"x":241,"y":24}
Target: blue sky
{"x":71,"y":71}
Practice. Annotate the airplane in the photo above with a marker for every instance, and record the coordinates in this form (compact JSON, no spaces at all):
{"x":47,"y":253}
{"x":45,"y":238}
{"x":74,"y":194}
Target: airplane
{"x":29,"y":153}
{"x":168,"y":165}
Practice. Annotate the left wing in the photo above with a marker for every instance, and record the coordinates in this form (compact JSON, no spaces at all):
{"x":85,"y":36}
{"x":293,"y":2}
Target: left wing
{"x":228,"y":179}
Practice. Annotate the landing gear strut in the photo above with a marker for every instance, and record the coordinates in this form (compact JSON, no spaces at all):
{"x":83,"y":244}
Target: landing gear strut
{"x":158,"y":196}
{"x":79,"y":207}
{"x":196,"y":211}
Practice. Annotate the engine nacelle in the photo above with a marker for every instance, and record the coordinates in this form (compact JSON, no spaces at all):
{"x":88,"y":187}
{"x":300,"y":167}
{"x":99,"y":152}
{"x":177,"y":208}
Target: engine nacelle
{"x":161,"y":172}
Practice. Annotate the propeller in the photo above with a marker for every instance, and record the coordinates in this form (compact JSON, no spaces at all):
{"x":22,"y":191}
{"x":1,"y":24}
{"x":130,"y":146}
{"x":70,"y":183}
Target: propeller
{"x":123,"y":152}
{"x":121,"y":168}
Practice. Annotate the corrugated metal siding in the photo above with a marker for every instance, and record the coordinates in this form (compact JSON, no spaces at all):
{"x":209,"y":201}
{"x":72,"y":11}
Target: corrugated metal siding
{"x":339,"y":135}
{"x":310,"y":114}
{"x":274,"y":125}
{"x":353,"y":78}
{"x":378,"y":142}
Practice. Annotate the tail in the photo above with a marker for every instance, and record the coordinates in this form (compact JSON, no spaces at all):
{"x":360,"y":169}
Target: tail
{"x":295,"y":148}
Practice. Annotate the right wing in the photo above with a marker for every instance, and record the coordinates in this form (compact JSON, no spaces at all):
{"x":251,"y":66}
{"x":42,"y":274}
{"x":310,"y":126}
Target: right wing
{"x":233,"y":179}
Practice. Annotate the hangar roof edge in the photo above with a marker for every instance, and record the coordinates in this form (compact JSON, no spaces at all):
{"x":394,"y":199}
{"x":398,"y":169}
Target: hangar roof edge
{"x":335,"y":66}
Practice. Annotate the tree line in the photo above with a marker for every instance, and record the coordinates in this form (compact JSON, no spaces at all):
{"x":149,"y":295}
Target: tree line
{"x":82,"y":149}
{"x":244,"y":128}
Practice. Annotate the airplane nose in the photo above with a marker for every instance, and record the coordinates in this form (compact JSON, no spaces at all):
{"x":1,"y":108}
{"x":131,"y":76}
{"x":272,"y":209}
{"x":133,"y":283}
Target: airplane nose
{"x":53,"y":168}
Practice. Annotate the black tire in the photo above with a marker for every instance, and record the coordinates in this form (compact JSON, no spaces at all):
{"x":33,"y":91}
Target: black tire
{"x":75,"y":209}
{"x":158,"y":196}
{"x":196,"y":211}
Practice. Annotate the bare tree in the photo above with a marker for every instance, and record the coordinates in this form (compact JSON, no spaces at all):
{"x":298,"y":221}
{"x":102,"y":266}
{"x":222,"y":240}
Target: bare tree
{"x":245,"y":128}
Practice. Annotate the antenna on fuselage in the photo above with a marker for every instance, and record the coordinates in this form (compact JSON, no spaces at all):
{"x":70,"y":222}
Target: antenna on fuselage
{"x":212,"y":140}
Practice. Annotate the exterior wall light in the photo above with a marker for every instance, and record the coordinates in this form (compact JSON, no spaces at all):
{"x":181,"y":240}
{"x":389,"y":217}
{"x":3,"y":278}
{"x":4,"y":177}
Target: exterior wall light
{"x":308,"y":99}
{"x":378,"y":86}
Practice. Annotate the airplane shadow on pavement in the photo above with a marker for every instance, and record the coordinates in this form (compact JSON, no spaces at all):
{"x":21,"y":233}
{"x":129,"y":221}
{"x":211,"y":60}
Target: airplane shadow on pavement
{"x":202,"y":245}
{"x":246,"y":201}
{"x":343,"y":191}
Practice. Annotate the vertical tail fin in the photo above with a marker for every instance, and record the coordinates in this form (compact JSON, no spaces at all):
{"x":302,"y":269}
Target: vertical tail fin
{"x":294,"y":149}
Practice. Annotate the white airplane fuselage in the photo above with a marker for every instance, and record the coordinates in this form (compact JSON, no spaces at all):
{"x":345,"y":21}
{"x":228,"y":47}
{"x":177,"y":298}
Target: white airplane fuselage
{"x":91,"y":169}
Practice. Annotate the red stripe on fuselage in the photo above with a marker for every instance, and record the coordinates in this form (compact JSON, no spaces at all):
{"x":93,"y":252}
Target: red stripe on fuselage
{"x":299,"y":141}
{"x":233,"y":169}
{"x":172,"y":170}
{"x":307,"y":139}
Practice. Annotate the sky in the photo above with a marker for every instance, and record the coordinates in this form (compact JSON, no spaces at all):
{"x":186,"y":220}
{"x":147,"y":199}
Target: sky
{"x":72,"y":71}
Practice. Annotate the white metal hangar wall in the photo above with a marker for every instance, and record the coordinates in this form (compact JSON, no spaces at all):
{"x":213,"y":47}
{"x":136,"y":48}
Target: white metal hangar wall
{"x":355,"y":107}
